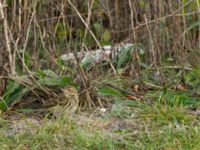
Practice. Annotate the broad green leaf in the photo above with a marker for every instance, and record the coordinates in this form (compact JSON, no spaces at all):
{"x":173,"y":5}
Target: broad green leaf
{"x":46,"y":73}
{"x":87,"y":60}
{"x":141,"y":52}
{"x":109,"y":92}
{"x":98,"y":28}
{"x":50,"y":73}
{"x":125,"y":54}
{"x":58,"y":81}
{"x":12,"y":93}
{"x":11,"y":88}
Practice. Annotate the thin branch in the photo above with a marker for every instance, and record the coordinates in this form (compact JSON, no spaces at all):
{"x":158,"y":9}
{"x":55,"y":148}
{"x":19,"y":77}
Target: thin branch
{"x":8,"y":47}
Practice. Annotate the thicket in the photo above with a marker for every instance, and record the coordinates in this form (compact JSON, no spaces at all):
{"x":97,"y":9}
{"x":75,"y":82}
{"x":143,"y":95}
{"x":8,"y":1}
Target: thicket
{"x":35,"y":33}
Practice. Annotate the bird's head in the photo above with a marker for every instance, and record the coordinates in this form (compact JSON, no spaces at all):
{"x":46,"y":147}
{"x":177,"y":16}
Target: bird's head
{"x":70,"y":91}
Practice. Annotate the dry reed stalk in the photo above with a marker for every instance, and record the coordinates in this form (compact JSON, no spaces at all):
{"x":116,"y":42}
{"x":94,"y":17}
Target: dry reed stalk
{"x":7,"y":39}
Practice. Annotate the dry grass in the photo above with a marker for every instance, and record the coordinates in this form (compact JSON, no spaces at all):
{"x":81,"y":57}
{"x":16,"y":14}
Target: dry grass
{"x":139,"y":127}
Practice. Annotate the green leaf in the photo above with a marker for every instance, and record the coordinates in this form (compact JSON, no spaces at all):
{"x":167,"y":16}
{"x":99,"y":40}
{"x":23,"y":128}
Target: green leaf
{"x":27,"y":59}
{"x":125,"y":54}
{"x":192,"y":26}
{"x":12,"y":93}
{"x":62,"y":31}
{"x":193,"y":77}
{"x":11,"y":87}
{"x":46,"y":73}
{"x":106,"y":36}
{"x":109,"y":92}
{"x":98,"y":28}
{"x":40,"y":74}
{"x":27,"y":110}
{"x":141,"y":52}
{"x":50,"y":73}
{"x":58,"y":81}
{"x":87,"y":60}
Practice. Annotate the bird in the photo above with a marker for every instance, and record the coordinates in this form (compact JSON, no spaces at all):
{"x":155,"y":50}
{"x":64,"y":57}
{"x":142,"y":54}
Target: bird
{"x":67,"y":101}
{"x":71,"y":98}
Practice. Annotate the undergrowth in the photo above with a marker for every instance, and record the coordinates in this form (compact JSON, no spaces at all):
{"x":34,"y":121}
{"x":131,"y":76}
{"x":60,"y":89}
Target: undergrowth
{"x":148,"y":104}
{"x":127,"y":124}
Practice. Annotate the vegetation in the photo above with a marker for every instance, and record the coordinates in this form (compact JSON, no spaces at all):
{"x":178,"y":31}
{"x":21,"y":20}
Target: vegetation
{"x":134,"y":63}
{"x":127,"y":125}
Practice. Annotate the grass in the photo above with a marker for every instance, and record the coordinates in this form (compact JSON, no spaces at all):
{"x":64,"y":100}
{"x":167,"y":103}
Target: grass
{"x":127,"y":125}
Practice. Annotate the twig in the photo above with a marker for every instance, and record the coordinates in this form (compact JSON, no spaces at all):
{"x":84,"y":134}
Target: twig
{"x":177,"y":67}
{"x":8,"y":47}
{"x":152,"y":85}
